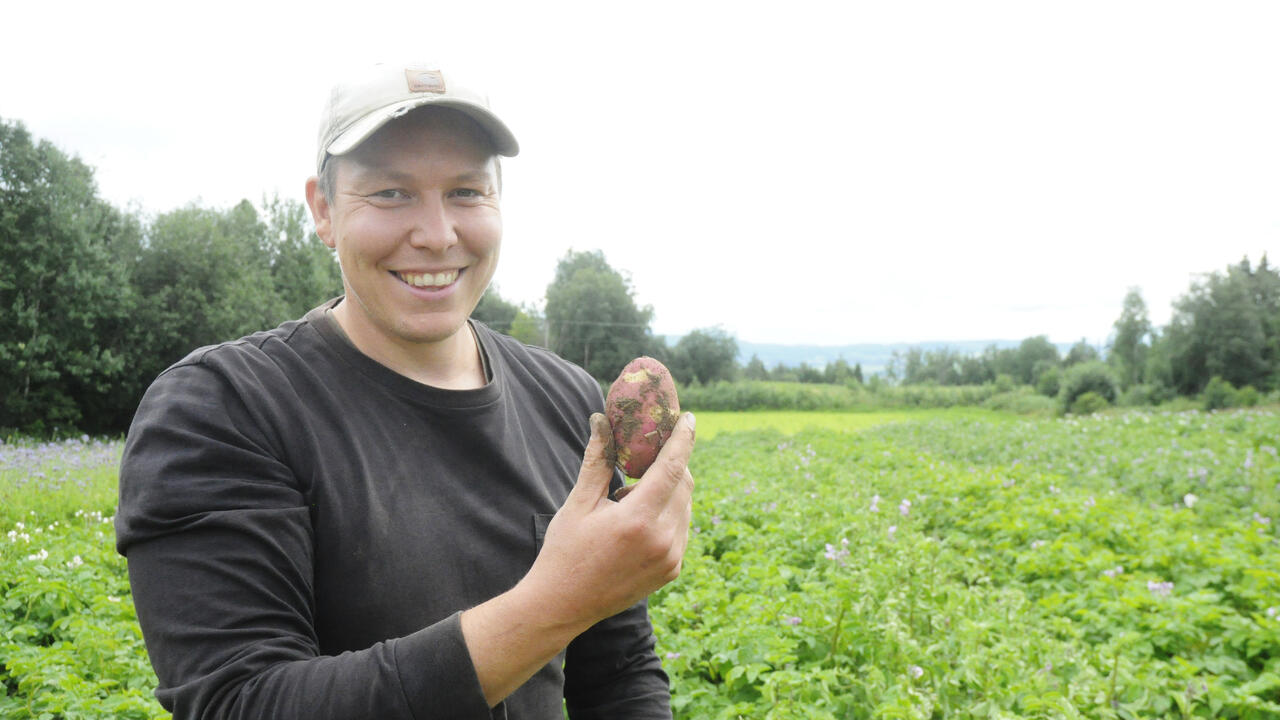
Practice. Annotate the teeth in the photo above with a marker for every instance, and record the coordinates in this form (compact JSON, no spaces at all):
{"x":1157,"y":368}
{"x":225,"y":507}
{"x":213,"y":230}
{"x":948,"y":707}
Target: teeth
{"x":429,"y":280}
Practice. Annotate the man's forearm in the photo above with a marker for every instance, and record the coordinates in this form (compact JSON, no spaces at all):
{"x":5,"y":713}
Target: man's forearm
{"x":511,"y":637}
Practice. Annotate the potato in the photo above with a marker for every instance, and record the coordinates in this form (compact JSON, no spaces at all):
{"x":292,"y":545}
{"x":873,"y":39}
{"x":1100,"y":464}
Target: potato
{"x":642,"y":408}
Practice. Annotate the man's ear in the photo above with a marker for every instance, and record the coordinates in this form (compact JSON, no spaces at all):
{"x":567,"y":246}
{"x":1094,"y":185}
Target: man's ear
{"x":320,"y":211}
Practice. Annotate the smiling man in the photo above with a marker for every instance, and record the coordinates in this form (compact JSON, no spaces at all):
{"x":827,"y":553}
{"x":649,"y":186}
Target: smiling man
{"x":384,"y":509}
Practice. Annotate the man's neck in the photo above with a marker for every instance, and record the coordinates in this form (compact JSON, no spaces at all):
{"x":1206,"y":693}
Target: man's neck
{"x":451,"y":364}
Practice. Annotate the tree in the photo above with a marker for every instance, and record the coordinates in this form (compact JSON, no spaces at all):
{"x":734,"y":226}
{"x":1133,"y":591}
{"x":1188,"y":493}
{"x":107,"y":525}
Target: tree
{"x":65,"y":301}
{"x":205,"y":277}
{"x":1227,"y":325}
{"x":705,"y":356}
{"x":1081,"y":352}
{"x":1035,"y":354}
{"x":755,"y":369}
{"x":592,"y":316}
{"x":304,"y":270}
{"x":494,"y":311}
{"x":1129,"y":347}
{"x":838,"y":372}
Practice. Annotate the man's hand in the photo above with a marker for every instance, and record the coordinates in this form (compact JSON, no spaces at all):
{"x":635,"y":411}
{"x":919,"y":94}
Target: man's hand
{"x":599,"y":557}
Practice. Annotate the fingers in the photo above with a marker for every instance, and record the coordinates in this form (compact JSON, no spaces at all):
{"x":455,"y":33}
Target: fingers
{"x":597,"y":464}
{"x":670,"y":471}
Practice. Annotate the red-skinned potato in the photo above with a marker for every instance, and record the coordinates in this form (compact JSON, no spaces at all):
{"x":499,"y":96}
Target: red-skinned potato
{"x":642,"y":408}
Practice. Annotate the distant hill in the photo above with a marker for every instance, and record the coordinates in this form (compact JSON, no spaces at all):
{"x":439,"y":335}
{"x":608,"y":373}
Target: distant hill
{"x":874,"y":358}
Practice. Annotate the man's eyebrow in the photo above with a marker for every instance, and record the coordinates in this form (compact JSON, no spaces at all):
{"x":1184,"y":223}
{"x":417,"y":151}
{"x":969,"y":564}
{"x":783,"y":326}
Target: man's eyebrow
{"x":474,"y":176}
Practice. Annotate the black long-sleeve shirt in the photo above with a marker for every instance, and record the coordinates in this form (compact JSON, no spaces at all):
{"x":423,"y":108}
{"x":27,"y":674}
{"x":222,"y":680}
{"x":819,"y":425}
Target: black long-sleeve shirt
{"x":303,"y":527}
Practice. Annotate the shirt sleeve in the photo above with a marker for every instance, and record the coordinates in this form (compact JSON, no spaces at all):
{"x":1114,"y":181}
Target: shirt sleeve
{"x":218,"y":537}
{"x":612,"y":671}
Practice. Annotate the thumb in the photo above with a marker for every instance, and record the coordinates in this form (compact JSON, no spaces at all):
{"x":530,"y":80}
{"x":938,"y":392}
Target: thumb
{"x":597,"y":464}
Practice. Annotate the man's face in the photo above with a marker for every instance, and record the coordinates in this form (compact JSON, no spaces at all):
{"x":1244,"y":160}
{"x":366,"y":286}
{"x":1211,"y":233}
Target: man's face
{"x":417,"y":228}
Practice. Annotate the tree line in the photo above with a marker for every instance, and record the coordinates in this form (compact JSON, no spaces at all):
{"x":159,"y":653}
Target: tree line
{"x":95,"y":301}
{"x":1223,"y":338}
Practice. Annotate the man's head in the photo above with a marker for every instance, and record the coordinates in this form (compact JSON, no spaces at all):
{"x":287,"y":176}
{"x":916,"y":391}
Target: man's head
{"x":406,"y":192}
{"x":366,"y":100}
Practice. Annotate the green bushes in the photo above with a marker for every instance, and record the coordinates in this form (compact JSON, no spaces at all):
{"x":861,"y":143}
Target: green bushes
{"x":1023,"y":401}
{"x":773,"y":395}
{"x":1094,"y":377}
{"x":1219,"y":394}
{"x":765,"y":395}
{"x":1089,"y":403}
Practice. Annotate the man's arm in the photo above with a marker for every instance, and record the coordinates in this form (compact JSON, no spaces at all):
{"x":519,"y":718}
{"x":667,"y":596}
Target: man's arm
{"x":612,"y":672}
{"x":599,"y":558}
{"x":218,"y":536}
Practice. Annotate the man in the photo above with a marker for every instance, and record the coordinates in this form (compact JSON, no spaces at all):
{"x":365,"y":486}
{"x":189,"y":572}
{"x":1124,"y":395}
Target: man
{"x":383,"y":509}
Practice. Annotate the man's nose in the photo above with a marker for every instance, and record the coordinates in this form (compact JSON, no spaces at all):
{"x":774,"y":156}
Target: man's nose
{"x":433,"y":226}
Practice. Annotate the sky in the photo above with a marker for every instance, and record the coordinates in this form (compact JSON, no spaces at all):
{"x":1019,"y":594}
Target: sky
{"x":802,"y":172}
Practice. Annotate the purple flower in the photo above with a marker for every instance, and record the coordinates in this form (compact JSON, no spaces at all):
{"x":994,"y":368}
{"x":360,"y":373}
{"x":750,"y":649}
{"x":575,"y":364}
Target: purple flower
{"x":793,"y":620}
{"x":893,"y":529}
{"x":916,"y":671}
{"x":1160,"y":588}
{"x":875,"y":503}
{"x":837,"y":554}
{"x":673,"y":656}
{"x":904,"y":507}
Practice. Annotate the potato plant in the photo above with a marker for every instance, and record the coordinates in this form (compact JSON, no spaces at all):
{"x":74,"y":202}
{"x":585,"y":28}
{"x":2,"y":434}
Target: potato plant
{"x":937,"y":565}
{"x":1118,"y":566}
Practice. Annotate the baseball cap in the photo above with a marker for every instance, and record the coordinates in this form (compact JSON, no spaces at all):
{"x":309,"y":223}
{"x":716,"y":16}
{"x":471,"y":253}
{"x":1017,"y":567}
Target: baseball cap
{"x":371,"y":97}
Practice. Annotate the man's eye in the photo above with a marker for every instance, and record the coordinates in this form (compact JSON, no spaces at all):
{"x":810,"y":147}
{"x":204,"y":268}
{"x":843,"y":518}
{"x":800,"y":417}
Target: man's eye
{"x":389,"y":194}
{"x":466,"y":193}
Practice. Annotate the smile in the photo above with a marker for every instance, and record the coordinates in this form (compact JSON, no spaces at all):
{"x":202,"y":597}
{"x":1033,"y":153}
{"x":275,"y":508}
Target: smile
{"x":442,"y":279}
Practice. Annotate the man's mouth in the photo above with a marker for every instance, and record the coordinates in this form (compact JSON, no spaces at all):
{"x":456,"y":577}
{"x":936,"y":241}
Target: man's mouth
{"x":429,"y":280}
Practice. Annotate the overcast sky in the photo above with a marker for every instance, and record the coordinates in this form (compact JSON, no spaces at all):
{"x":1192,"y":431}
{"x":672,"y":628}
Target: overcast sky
{"x":795,"y":172}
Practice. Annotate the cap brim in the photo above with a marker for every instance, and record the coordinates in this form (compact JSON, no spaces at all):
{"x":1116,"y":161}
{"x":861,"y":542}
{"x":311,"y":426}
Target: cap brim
{"x":504,"y":142}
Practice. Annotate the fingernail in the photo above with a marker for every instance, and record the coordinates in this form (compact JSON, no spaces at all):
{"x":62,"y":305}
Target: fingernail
{"x":693,"y":422}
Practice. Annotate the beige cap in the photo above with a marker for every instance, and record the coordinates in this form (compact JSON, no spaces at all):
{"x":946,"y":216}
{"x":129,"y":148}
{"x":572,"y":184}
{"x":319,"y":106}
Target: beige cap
{"x":368,"y":99}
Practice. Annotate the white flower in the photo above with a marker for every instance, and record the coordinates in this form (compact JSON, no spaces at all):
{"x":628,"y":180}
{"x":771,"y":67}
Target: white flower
{"x":904,"y":507}
{"x":42,"y":555}
{"x":892,"y":529}
{"x":916,"y":671}
{"x":75,"y":562}
{"x":1189,"y":500}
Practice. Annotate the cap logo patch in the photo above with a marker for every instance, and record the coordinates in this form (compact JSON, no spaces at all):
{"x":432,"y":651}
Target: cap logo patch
{"x":431,"y":81}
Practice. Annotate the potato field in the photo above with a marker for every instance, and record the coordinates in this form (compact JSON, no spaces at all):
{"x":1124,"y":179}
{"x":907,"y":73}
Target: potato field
{"x":956,"y":564}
